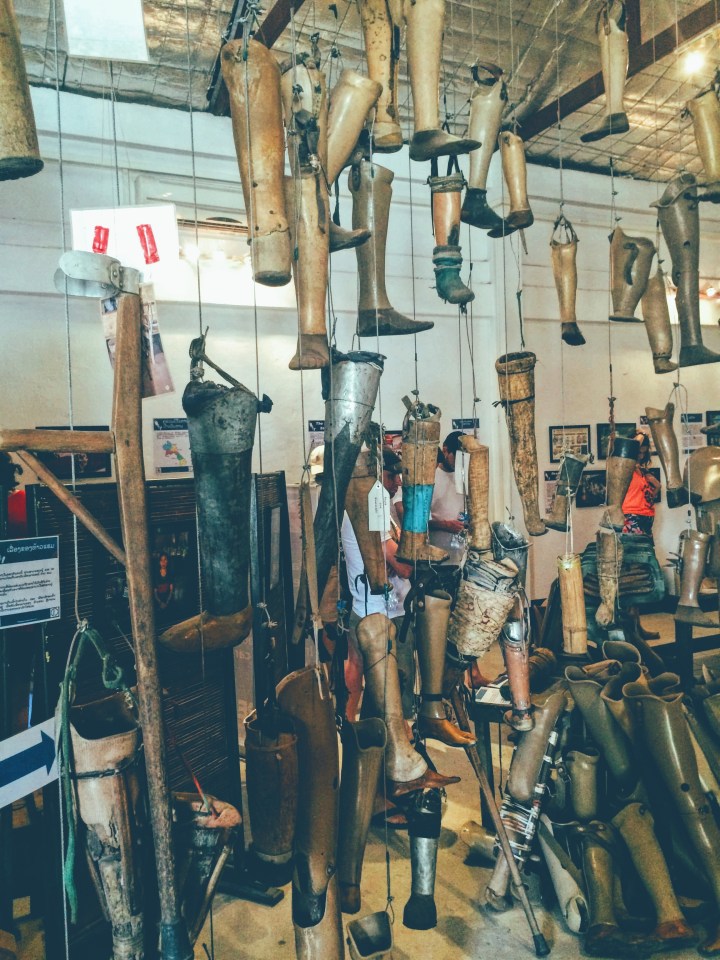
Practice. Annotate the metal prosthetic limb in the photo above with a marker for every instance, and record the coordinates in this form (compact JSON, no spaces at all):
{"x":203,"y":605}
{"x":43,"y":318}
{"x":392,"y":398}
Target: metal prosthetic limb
{"x":253,"y":83}
{"x":19,"y":151}
{"x":425,"y":24}
{"x":371,"y":189}
{"x":447,"y":255}
{"x":509,"y":544}
{"x":695,"y":554}
{"x":363,"y":747}
{"x":609,"y":563}
{"x":364,"y":478}
{"x":568,"y":480}
{"x":705,"y":112}
{"x":420,"y":442}
{"x":613,"y":40}
{"x":680,"y":224}
{"x":478,"y":477}
{"x":519,"y":216}
{"x":582,"y":767}
{"x":424,"y":816}
{"x":621,"y":463}
{"x":630,"y":262}
{"x":663,"y":434}
{"x":516,"y":380}
{"x":656,"y":315}
{"x":487,"y":102}
{"x":381,"y":31}
{"x":572,"y":601}
{"x":563,"y":248}
{"x":515,"y":649}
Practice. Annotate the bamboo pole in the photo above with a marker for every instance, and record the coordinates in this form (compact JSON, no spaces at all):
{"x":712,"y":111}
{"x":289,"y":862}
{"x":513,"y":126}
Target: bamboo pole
{"x":572,"y":601}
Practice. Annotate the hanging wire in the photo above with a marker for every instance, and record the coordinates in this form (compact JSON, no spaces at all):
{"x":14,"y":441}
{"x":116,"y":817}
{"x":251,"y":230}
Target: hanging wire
{"x":191,"y":115}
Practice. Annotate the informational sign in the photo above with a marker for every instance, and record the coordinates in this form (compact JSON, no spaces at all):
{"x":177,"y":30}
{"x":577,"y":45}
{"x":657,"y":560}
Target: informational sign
{"x":466,"y":424}
{"x":29,"y":581}
{"x":689,"y":432}
{"x":27,"y":762}
{"x":316,"y":433}
{"x":171,"y":445}
{"x":139,"y":237}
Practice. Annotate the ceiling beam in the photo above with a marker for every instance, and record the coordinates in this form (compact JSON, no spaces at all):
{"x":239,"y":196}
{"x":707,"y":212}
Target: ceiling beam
{"x":277,"y":19}
{"x":641,"y":56}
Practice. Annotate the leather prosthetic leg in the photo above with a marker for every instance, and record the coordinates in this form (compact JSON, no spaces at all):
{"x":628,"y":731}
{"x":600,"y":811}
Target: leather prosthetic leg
{"x":680,"y":224}
{"x":108,"y":802}
{"x":569,"y":474}
{"x":572,"y":601}
{"x":371,"y":188}
{"x":478,"y":471}
{"x":363,"y":747}
{"x":424,"y":817}
{"x":304,"y":696}
{"x":582,"y":767}
{"x":621,"y":462}
{"x":254,"y":91}
{"x":487,"y":102}
{"x":516,"y":380}
{"x":515,"y":651}
{"x":663,"y":434}
{"x":425,"y":24}
{"x":420,"y":441}
{"x":705,"y":111}
{"x":19,"y":151}
{"x":630,"y":262}
{"x":369,"y":542}
{"x":382,"y":50}
{"x":566,"y":878}
{"x":447,"y":255}
{"x":564,"y":264}
{"x":431,"y":627}
{"x":694,"y":560}
{"x":519,"y":216}
{"x":656,"y":315}
{"x":609,"y":563}
{"x":613,"y":40}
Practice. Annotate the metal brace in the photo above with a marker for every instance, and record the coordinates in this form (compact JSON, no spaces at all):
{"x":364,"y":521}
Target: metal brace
{"x":84,"y":274}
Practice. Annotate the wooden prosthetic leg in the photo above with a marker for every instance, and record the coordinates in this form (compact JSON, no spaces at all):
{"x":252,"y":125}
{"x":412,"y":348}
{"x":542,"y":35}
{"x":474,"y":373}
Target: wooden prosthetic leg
{"x":381,"y":31}
{"x":479,"y":532}
{"x":563,"y":245}
{"x":630,"y":262}
{"x":19,"y":151}
{"x":613,"y":40}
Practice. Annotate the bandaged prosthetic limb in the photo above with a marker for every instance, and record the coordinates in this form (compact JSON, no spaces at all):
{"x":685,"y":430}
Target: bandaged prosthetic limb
{"x":483,"y":604}
{"x":572,"y":601}
{"x":609,"y":564}
{"x":516,"y":380}
{"x":613,"y":40}
{"x":363,"y":746}
{"x":255,"y":105}
{"x":656,"y":315}
{"x":509,"y":544}
{"x":663,"y":434}
{"x":680,"y":223}
{"x":635,"y":824}
{"x":364,"y":478}
{"x":663,"y":734}
{"x":516,"y":650}
{"x":424,"y":817}
{"x":582,"y":767}
{"x":566,"y":878}
{"x":694,"y":560}
{"x":304,"y":696}
{"x":19,"y":151}
{"x":630,"y":262}
{"x":446,"y":195}
{"x":420,"y":442}
{"x":512,"y":154}
{"x":381,"y":28}
{"x":478,"y":477}
{"x":568,"y":480}
{"x":563,"y":248}
{"x":371,"y":188}
{"x":621,"y":462}
{"x":487,"y":102}
{"x":431,"y":627}
{"x":405,"y":769}
{"x":705,"y":112}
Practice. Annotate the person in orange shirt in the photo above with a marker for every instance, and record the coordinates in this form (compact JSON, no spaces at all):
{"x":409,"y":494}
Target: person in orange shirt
{"x":639,"y":503}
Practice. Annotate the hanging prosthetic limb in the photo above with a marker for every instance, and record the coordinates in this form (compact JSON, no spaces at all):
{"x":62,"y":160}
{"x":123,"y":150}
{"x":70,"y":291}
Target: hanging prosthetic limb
{"x":516,"y":380}
{"x":424,"y":817}
{"x":572,"y":600}
{"x":609,"y":563}
{"x":254,"y":90}
{"x":695,"y":554}
{"x":364,"y":478}
{"x":563,"y":247}
{"x":425,"y":25}
{"x":663,"y":434}
{"x":305,"y":109}
{"x":702,"y":480}
{"x":705,"y":112}
{"x":19,"y":151}
{"x":656,"y":315}
{"x":483,"y":604}
{"x":519,"y":216}
{"x":568,"y":480}
{"x":371,"y":188}
{"x":613,"y":40}
{"x":621,"y":463}
{"x":221,"y":422}
{"x":447,"y":255}
{"x":381,"y":31}
{"x":680,"y":224}
{"x":487,"y":102}
{"x":630,"y":262}
{"x":478,"y":473}
{"x":509,"y":544}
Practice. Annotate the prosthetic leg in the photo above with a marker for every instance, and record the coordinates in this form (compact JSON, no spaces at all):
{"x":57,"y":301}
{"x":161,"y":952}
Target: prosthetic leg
{"x":512,"y":152}
{"x":613,"y":42}
{"x":680,"y":224}
{"x":425,"y":24}
{"x":516,"y":380}
{"x":572,"y":601}
{"x":487,"y":102}
{"x":424,"y":817}
{"x":254,"y":91}
{"x":447,"y":255}
{"x":621,"y":462}
{"x":483,"y":604}
{"x":568,"y":480}
{"x":566,"y":879}
{"x":694,"y":560}
{"x":564,"y":257}
{"x":420,"y":441}
{"x":609,"y":563}
{"x":363,"y":747}
{"x":479,"y":532}
{"x":510,"y":544}
{"x":657,"y":322}
{"x":630,"y":262}
{"x":701,"y":478}
{"x":371,"y":188}
{"x":369,"y":541}
{"x":528,"y":758}
{"x":663,"y":434}
{"x":382,"y":49}
{"x":515,"y":651}
{"x":582,"y":766}
{"x":19,"y":151}
{"x":705,"y":111}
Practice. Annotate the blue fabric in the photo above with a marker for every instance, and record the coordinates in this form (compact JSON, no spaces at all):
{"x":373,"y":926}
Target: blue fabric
{"x":416,"y":507}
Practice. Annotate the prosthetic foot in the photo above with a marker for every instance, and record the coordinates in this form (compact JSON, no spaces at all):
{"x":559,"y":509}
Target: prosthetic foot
{"x":19,"y":151}
{"x":694,"y":560}
{"x":609,"y":563}
{"x":656,"y":315}
{"x":487,"y":102}
{"x":572,"y":600}
{"x":382,"y":50}
{"x":515,"y":650}
{"x":447,"y":255}
{"x":516,"y":380}
{"x":705,"y":112}
{"x":621,"y":463}
{"x":630,"y":262}
{"x":563,"y":247}
{"x":512,"y":153}
{"x":568,"y":480}
{"x":424,"y":817}
{"x":663,"y":434}
{"x":613,"y":40}
{"x":478,"y":475}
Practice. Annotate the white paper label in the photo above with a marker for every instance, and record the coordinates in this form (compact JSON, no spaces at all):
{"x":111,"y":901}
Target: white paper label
{"x":378,"y":508}
{"x":461,"y":463}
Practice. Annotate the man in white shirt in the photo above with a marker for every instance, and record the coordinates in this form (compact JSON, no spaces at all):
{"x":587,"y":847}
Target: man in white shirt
{"x":447,"y":504}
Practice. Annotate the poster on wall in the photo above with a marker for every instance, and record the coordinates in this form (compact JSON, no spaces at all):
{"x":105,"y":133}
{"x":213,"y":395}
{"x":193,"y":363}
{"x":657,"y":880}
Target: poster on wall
{"x":316,"y":434}
{"x":156,"y":376}
{"x":712,"y":417}
{"x":29,"y":581}
{"x":88,"y":466}
{"x":171,"y":445}
{"x":550,"y":477}
{"x":574,"y":438}
{"x":466,"y":424}
{"x":689,"y":434}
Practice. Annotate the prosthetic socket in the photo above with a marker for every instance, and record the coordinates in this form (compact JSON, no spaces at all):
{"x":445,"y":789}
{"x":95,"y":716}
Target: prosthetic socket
{"x":447,"y":255}
{"x":364,"y":478}
{"x":609,"y":563}
{"x":519,"y":216}
{"x":563,"y":246}
{"x":613,"y":40}
{"x":663,"y":434}
{"x":621,"y":463}
{"x":568,"y":480}
{"x":509,"y":544}
{"x":487,"y":102}
{"x":705,"y":112}
{"x":19,"y":152}
{"x":381,"y":26}
{"x":424,"y":820}
{"x":254,"y":91}
{"x":630,"y":262}
{"x":656,"y":315}
{"x":478,"y":475}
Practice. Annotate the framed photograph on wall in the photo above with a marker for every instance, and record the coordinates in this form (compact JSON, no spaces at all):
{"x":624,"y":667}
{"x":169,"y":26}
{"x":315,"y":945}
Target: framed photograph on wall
{"x":603,"y":436}
{"x":591,"y":492}
{"x":575,"y":438}
{"x":712,"y":417}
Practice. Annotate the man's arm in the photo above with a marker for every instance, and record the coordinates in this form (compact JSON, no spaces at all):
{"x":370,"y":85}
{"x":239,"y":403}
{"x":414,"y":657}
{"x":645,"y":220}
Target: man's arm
{"x":454,"y":526}
{"x":401,"y":569}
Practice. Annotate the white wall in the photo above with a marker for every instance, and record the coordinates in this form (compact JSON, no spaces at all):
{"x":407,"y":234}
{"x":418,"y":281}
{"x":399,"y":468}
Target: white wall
{"x":154,"y":158}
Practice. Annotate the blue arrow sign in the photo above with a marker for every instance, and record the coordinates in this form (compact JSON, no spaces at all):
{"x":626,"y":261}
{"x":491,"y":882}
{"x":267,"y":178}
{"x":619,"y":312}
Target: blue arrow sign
{"x":27,"y":762}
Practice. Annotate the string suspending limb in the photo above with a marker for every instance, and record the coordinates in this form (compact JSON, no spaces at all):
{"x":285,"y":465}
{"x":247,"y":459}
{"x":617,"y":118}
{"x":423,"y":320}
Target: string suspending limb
{"x":563,"y":231}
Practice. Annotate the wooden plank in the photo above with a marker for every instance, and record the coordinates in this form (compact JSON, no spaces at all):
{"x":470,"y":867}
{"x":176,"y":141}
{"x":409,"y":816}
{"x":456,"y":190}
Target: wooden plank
{"x":58,"y":441}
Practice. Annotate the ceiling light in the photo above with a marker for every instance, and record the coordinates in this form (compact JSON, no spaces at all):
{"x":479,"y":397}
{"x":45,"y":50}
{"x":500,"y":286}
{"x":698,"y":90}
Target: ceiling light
{"x":694,"y":61}
{"x":711,"y":291}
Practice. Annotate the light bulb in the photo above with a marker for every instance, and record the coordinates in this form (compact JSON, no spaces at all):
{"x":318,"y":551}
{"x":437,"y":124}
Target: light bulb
{"x":694,"y":61}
